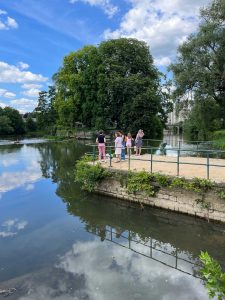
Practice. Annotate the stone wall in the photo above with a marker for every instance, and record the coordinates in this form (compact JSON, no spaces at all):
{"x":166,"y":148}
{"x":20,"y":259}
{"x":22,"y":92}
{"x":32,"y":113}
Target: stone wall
{"x":178,"y":200}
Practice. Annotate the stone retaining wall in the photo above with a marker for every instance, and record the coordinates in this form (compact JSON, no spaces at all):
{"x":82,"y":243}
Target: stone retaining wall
{"x":177,"y":200}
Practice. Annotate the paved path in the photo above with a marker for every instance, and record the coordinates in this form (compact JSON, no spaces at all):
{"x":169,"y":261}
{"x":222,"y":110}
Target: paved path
{"x":169,"y":166}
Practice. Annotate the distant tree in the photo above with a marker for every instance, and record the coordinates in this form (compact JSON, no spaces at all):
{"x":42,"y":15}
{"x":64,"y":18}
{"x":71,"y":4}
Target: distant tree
{"x":5,"y":125}
{"x":199,"y":74}
{"x":16,"y":120}
{"x":41,"y":110}
{"x":30,"y":124}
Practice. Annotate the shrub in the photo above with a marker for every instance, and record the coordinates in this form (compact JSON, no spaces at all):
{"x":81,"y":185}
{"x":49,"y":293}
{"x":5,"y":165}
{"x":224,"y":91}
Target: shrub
{"x":140,"y":182}
{"x":215,"y":278}
{"x":89,"y":175}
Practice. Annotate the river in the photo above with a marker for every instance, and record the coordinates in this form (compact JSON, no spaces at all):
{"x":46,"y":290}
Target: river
{"x":58,"y":242}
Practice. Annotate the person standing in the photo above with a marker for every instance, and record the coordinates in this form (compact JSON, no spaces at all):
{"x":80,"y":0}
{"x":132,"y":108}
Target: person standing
{"x":138,"y":141}
{"x":129,"y":140}
{"x":118,"y":146}
{"x":123,"y":153}
{"x":101,"y":146}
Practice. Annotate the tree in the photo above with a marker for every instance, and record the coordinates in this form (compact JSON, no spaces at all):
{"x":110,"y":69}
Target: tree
{"x":16,"y":120}
{"x":115,"y":83}
{"x":30,"y":124}
{"x":199,"y":73}
{"x":5,"y":125}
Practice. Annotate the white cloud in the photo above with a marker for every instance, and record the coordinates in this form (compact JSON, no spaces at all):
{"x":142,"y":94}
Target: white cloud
{"x":11,"y":23}
{"x":12,"y":180}
{"x":3,"y":12}
{"x":4,"y":93}
{"x":12,"y":227}
{"x":23,"y":65}
{"x":162,"y":24}
{"x":31,"y":92}
{"x":7,"y":22}
{"x":131,"y":275}
{"x":8,"y":162}
{"x":12,"y":74}
{"x":24,"y":104}
{"x":109,"y":9}
{"x":162,"y":61}
{"x":31,"y":86}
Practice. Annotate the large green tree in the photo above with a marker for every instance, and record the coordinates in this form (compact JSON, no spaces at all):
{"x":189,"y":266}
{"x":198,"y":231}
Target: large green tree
{"x":199,"y":73}
{"x":114,"y":83}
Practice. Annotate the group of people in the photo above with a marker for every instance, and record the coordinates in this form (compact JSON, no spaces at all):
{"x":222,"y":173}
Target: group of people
{"x":122,"y":142}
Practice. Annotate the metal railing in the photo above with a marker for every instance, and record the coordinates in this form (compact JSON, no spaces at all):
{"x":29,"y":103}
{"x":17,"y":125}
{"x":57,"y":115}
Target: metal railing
{"x":152,"y":249}
{"x":206,"y":154}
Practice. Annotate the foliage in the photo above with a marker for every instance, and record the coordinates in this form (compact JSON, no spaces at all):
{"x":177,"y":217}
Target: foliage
{"x":215,"y":278}
{"x":11,"y":122}
{"x":199,"y":74}
{"x":89,"y":175}
{"x":30,"y":124}
{"x":203,"y":204}
{"x":45,"y":112}
{"x":140,"y":182}
{"x":161,"y":179}
{"x":114,"y":83}
{"x":218,"y":138}
{"x":5,"y":125}
{"x":221,"y":194}
{"x":197,"y":185}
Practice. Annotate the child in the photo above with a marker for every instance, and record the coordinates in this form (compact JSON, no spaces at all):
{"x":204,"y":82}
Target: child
{"x":101,"y":145}
{"x":123,"y":146}
{"x":118,"y":146}
{"x":129,"y":140}
{"x":138,"y":141}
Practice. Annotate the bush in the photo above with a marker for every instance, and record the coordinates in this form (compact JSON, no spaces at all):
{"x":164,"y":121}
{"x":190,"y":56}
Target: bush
{"x":140,"y":182}
{"x":89,"y":175}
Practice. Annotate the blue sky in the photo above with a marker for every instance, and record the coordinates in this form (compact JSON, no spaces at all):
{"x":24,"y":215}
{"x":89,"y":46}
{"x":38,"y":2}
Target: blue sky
{"x":35,"y":35}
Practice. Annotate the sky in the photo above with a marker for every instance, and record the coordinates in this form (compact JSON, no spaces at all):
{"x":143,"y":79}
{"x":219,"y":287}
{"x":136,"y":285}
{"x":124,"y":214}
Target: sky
{"x":35,"y":35}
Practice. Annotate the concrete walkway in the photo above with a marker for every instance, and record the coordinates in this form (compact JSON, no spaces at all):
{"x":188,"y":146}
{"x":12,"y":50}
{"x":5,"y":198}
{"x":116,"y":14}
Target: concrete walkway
{"x":168,"y":166}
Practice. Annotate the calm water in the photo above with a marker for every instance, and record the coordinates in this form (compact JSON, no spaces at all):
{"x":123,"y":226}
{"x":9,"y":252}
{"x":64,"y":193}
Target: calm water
{"x":57,"y":242}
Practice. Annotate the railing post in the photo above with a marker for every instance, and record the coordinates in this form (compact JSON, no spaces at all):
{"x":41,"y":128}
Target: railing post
{"x":207,"y":165}
{"x":129,"y":149}
{"x":110,"y":157}
{"x":178,"y":162}
{"x":151,"y":160}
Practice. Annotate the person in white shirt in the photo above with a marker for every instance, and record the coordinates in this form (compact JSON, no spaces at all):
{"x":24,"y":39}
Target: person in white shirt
{"x":118,"y":146}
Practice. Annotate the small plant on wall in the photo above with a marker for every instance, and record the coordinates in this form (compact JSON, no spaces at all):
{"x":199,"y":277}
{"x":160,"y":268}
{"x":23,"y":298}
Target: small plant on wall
{"x":140,"y":182}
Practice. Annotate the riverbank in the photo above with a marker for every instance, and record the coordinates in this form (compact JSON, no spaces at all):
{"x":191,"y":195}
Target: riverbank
{"x":204,"y":204}
{"x":197,"y":197}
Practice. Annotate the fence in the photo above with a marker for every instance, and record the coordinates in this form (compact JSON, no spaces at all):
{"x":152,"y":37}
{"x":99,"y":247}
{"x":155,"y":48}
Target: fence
{"x":207,"y":155}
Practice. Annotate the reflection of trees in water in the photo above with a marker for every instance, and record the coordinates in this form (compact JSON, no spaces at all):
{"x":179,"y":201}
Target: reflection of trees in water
{"x":58,"y":159}
{"x":10,"y":148}
{"x":184,"y":234}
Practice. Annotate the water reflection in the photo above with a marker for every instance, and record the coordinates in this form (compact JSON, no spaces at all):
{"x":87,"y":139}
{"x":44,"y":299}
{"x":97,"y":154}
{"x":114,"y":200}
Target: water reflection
{"x":73,"y":245}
